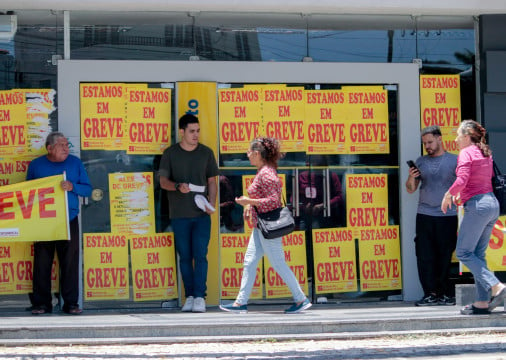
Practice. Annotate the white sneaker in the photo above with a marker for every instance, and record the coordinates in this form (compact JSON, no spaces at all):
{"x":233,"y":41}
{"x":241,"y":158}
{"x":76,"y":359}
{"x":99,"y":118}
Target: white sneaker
{"x":188,"y":305}
{"x":199,"y":305}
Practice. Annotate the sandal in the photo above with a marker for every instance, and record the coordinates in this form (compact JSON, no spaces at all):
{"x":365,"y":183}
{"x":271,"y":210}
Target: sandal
{"x":72,"y":310}
{"x":495,"y":301}
{"x":473,"y":310}
{"x":40,"y":310}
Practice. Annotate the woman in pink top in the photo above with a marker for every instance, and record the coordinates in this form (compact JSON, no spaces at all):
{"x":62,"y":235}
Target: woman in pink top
{"x":264,"y":194}
{"x":473,"y":189}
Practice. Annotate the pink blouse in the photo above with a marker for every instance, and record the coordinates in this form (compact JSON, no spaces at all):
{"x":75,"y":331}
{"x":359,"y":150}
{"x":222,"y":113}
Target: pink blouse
{"x":474,"y":174}
{"x":266,"y":187}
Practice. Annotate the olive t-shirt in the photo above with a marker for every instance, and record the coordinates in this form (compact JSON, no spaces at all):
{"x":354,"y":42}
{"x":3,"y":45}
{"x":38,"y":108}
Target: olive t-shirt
{"x":183,"y":166}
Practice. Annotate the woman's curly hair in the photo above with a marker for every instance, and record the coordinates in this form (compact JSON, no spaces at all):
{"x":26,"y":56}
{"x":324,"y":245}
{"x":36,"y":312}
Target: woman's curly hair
{"x":269,"y":149}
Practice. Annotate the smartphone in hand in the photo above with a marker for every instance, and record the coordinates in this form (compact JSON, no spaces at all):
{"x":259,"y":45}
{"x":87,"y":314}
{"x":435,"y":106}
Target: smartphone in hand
{"x":411,"y":164}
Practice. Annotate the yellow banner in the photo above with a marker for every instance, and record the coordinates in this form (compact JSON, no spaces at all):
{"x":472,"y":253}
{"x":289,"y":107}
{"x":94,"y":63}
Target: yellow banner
{"x":283,"y":115}
{"x":366,"y":200}
{"x":34,"y":210}
{"x":240,"y":118}
{"x":153,"y":261}
{"x":132,"y":203}
{"x":325,"y":122}
{"x":380,"y":258}
{"x":105,"y":267}
{"x":496,"y":252}
{"x":294,"y":246}
{"x":103,"y":124}
{"x":367,"y":114}
{"x":334,"y":260}
{"x":12,"y":123}
{"x":148,"y":115}
{"x":440,"y":105}
{"x":232,"y":250}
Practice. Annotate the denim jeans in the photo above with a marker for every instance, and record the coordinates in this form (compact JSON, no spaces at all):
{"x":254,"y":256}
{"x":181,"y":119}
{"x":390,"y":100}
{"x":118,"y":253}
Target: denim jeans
{"x":480,"y":214}
{"x":192,"y":239}
{"x":273,"y":248}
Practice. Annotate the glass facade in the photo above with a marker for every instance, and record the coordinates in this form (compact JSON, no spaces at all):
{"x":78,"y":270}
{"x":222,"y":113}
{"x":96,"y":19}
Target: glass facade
{"x":445,"y":45}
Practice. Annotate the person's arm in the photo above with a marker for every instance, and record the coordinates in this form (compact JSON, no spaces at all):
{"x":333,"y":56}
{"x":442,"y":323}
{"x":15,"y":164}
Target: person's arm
{"x":212,"y":187}
{"x":82,"y":186}
{"x":413,"y":180}
{"x":170,"y":185}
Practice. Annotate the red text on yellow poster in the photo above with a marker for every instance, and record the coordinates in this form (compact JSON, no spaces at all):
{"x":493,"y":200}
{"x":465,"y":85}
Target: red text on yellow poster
{"x":240,"y":118}
{"x":232,"y":250}
{"x":13,"y":170}
{"x":294,"y":246}
{"x":148,"y":115}
{"x":334,"y":260}
{"x":380,"y":258}
{"x":132,"y":203}
{"x":39,"y":107}
{"x":440,"y":105}
{"x":16,"y":264}
{"x":367,"y":115}
{"x":325,"y":123}
{"x":366,"y":200}
{"x":246,"y":182}
{"x":283,"y":115}
{"x":105,"y":266}
{"x":496,"y":252}
{"x":103,"y":124}
{"x":13,"y":141}
{"x":34,"y":210}
{"x":153,"y":262}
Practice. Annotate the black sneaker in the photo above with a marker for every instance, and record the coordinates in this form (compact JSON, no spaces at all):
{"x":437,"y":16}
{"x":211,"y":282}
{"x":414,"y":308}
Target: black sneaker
{"x":446,"y":300}
{"x":430,"y":300}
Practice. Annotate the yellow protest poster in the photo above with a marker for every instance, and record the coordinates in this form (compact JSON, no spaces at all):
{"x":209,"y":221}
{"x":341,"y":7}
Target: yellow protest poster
{"x":334,"y":260}
{"x":148,"y":118}
{"x":294,"y":246}
{"x":367,"y":115}
{"x":13,"y":141}
{"x":232,"y":250}
{"x":380,"y":258}
{"x":13,"y":169}
{"x":34,"y":210}
{"x":283,"y":115}
{"x":366,"y":200}
{"x":440,"y":105}
{"x":105,"y":266}
{"x":103,"y":125}
{"x":132,"y":203}
{"x":240,"y":118}
{"x":40,"y":104}
{"x":325,"y":124}
{"x":153,"y":260}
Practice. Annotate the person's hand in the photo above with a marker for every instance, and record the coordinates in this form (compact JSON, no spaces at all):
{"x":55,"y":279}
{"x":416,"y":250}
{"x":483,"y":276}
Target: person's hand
{"x":242,"y":200}
{"x":247,"y":213}
{"x":184,"y":188}
{"x":209,"y":211}
{"x":414,"y":172}
{"x":447,"y":202}
{"x":67,"y":185}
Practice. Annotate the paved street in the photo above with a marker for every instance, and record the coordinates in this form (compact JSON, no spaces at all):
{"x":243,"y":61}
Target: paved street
{"x":413,"y":346}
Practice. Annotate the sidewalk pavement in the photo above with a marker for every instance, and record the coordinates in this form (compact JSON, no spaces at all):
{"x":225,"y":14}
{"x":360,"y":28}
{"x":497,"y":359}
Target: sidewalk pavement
{"x":329,"y":321}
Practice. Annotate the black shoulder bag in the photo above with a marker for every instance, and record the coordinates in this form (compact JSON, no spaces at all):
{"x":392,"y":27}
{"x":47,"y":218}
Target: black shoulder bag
{"x":275,"y":223}
{"x":499,"y":186}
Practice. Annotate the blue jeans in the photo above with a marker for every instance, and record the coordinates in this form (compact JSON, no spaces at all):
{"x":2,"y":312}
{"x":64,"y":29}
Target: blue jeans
{"x":480,"y":214}
{"x":192,"y":239}
{"x":273,"y":248}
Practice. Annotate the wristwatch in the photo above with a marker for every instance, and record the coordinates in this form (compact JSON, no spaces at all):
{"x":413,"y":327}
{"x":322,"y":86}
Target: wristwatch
{"x":177,"y":185}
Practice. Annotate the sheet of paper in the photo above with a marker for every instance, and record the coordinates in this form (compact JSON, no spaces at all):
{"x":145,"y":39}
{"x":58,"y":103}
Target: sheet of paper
{"x":197,"y":188}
